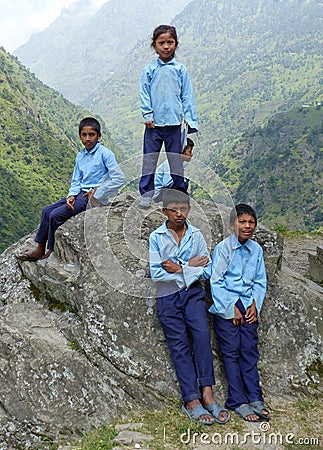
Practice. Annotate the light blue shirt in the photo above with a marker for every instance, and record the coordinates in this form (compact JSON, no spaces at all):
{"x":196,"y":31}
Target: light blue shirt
{"x":97,"y":168}
{"x":163,"y":246}
{"x":163,"y":178}
{"x":166,"y":94}
{"x":238,"y":271}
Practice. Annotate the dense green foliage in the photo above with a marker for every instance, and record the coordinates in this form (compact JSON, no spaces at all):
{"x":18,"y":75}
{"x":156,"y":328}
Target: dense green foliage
{"x":248,"y":60}
{"x":38,"y":144}
{"x":251,"y":59}
{"x":279,"y":169}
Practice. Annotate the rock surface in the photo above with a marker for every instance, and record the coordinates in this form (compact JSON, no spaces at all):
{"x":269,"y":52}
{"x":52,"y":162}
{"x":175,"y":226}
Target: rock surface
{"x":315,"y":268}
{"x":80,"y":341}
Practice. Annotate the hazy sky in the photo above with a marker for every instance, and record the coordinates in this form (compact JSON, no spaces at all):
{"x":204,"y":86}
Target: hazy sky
{"x":20,"y":18}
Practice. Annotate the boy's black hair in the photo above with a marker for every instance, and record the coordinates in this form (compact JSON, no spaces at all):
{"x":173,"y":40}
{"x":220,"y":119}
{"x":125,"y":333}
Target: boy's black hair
{"x":161,"y":29}
{"x":240,"y":209}
{"x":175,"y":196}
{"x":90,"y":122}
{"x":189,"y":143}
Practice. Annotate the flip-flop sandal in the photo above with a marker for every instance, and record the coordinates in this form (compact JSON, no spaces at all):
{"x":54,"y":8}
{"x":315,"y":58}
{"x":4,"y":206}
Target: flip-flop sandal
{"x":24,"y":256}
{"x":197,"y":412}
{"x":258,"y":407}
{"x":215,"y":409}
{"x":245,"y":411}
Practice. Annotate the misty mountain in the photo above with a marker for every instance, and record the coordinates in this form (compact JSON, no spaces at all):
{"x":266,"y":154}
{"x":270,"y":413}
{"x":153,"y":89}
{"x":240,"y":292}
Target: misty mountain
{"x":83,"y":46}
{"x":251,"y":63}
{"x":247,"y":60}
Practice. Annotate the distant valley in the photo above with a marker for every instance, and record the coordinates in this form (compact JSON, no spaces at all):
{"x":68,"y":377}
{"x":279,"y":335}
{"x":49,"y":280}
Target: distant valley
{"x":253,"y":66}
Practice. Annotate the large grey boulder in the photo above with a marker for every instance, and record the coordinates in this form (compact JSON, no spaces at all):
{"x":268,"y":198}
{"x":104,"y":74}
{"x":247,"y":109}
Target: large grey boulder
{"x":80,"y":341}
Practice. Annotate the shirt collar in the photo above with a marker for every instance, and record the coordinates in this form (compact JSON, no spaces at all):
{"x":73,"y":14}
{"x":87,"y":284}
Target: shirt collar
{"x":236,"y":244}
{"x":93,"y":150}
{"x":163,"y":228}
{"x":162,"y":63}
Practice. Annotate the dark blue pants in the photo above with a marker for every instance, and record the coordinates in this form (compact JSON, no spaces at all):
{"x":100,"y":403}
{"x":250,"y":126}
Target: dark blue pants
{"x":239,"y":348}
{"x":184,"y":321}
{"x":55,"y":215}
{"x":153,"y":141}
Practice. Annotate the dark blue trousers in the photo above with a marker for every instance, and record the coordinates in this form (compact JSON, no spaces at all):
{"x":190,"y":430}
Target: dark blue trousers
{"x":184,"y":321}
{"x":55,"y":215}
{"x":239,"y":348}
{"x":153,"y":141}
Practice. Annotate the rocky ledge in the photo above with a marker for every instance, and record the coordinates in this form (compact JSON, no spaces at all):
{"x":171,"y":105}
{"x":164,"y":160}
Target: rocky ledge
{"x":80,"y":341}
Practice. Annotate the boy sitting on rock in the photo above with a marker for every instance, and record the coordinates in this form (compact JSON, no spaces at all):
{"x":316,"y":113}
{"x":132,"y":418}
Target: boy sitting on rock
{"x":97,"y":176}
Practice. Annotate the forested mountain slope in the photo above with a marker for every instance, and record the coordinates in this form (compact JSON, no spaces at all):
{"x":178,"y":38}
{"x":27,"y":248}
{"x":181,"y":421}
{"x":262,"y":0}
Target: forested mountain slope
{"x":38,"y":144}
{"x":252,"y":58}
{"x":83,"y":46}
{"x":247,"y":59}
{"x":278,"y":168}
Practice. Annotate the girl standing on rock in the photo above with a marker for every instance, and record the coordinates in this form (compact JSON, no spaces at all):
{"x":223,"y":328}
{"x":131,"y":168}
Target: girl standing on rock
{"x":166,"y":96}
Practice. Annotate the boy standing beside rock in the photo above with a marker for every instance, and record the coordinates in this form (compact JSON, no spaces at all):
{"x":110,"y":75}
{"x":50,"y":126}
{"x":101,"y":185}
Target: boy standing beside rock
{"x":238,"y":287}
{"x":178,"y":260}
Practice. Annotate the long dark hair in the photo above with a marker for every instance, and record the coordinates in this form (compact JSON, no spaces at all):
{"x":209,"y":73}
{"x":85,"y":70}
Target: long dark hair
{"x":161,"y":29}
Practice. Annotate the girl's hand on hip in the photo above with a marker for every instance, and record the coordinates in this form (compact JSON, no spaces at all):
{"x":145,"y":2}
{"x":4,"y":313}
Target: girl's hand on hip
{"x":150,"y":124}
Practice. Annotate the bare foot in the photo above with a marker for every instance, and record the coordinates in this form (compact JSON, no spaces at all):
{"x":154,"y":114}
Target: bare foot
{"x":252,"y":418}
{"x":29,"y":255}
{"x":259,"y":409}
{"x":222,"y":416}
{"x":32,"y":255}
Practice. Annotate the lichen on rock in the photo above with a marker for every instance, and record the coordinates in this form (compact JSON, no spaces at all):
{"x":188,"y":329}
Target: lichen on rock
{"x":81,"y":342}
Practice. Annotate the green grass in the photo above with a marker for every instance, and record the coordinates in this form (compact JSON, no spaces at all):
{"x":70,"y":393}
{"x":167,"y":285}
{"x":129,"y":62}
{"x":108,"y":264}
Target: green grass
{"x":99,"y":439}
{"x":299,"y":422}
{"x":285,"y":231}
